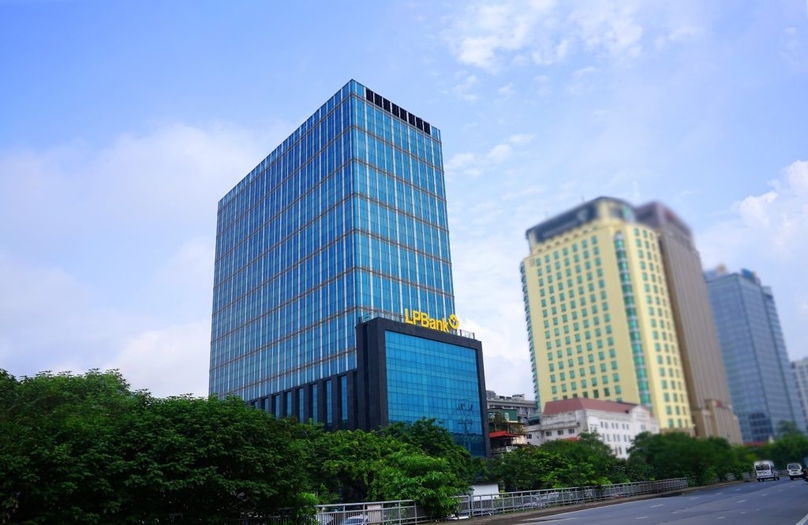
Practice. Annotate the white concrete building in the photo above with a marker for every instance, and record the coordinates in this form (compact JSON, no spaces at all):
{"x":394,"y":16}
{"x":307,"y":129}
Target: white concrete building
{"x":616,"y":423}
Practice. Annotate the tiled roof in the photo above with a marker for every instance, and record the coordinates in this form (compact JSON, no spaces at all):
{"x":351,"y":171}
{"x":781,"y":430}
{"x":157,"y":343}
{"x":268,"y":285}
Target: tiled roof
{"x":584,"y":403}
{"x":501,"y":434}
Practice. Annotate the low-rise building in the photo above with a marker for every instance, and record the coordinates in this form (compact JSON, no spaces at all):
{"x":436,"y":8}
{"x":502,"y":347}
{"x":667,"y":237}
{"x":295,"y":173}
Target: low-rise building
{"x":507,"y":418}
{"x":514,"y":409}
{"x":617,"y":424}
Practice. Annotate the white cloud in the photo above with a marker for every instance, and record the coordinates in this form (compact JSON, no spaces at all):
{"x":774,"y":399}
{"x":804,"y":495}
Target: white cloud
{"x":755,"y":210}
{"x":493,"y":37}
{"x":610,"y":28}
{"x":790,"y":40}
{"x":768,"y":231}
{"x":500,"y":153}
{"x":52,"y":321}
{"x":582,"y":80}
{"x":486,"y":36}
{"x":487,"y":29}
{"x":797,"y":176}
{"x":460,"y":161}
{"x":680,"y":35}
{"x":543,"y":82}
{"x":465,"y":88}
{"x":507,"y":90}
{"x":175,"y":175}
{"x":490,"y":304}
{"x":107,"y":254}
{"x":520,"y":139}
{"x":503,"y":151}
{"x":170,"y":361}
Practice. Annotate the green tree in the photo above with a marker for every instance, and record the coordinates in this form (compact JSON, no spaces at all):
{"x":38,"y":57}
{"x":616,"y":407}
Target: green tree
{"x":60,"y":440}
{"x":87,"y":449}
{"x":785,"y":428}
{"x":428,"y":480}
{"x":526,"y":468}
{"x":676,"y":454}
{"x":588,"y":461}
{"x":344,"y":464}
{"x":790,"y":446}
{"x":436,"y":441}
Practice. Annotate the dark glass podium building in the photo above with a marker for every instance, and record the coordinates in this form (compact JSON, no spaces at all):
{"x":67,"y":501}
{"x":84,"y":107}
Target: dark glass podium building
{"x":342,"y":224}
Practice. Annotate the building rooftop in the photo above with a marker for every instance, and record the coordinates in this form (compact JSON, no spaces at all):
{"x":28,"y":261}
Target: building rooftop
{"x":584,"y":403}
{"x":578,"y":216}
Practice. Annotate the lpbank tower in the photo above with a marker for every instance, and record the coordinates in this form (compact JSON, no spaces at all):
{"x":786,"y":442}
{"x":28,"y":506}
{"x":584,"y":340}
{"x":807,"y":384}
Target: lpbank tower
{"x":333,"y":298}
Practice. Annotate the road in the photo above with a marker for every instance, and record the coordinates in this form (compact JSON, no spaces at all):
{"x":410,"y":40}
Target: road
{"x":781,"y":502}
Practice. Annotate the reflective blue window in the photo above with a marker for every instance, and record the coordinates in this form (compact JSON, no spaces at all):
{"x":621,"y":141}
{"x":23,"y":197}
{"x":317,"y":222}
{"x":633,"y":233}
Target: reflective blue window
{"x":345,"y":219}
{"x":437,"y":380}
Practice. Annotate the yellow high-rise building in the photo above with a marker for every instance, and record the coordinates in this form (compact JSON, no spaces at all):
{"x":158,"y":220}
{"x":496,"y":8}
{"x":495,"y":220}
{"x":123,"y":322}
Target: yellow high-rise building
{"x":598,"y":313}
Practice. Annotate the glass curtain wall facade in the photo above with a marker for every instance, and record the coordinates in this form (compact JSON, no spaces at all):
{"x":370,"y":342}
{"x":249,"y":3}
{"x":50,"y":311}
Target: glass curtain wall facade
{"x":408,"y":372}
{"x":800,"y":369}
{"x":759,"y":374}
{"x":345,"y":220}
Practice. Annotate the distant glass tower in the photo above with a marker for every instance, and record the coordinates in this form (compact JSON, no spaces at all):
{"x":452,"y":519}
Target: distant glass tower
{"x":759,"y":374}
{"x":342,"y":223}
{"x":800,"y":368}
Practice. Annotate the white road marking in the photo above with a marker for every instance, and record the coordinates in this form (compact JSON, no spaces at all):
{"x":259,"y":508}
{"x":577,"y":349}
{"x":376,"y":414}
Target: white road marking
{"x":641,"y":518}
{"x":740,"y":501}
{"x":655,"y":506}
{"x":803,"y":520}
{"x":721,"y":517}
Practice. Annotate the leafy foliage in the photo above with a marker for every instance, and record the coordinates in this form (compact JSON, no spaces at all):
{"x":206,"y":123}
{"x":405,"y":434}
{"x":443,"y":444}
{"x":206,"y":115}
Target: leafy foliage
{"x":417,"y":476}
{"x":562,"y":463}
{"x":86,"y":449}
{"x":791,"y":445}
{"x":420,"y":462}
{"x":89,"y":449}
{"x":675,"y":454}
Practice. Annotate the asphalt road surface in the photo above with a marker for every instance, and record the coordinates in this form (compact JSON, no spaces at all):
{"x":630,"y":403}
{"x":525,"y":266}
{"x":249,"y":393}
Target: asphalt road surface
{"x":781,"y":502}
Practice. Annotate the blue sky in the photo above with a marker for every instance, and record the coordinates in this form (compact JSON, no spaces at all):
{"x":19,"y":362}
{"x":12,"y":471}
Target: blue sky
{"x":123,"y":123}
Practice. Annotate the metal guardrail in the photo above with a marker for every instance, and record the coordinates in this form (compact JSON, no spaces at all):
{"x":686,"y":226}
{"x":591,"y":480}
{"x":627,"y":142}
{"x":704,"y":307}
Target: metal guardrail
{"x":488,"y":505}
{"x":406,"y":512}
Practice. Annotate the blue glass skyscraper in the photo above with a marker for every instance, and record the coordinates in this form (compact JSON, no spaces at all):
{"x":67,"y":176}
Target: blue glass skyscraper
{"x":759,"y":373}
{"x":345,"y":221}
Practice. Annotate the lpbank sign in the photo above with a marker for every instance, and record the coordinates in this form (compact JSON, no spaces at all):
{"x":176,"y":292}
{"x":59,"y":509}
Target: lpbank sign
{"x":422,"y":319}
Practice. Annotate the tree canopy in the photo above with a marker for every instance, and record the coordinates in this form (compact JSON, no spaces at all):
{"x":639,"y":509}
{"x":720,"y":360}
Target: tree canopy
{"x":88,"y":449}
{"x":676,"y":454}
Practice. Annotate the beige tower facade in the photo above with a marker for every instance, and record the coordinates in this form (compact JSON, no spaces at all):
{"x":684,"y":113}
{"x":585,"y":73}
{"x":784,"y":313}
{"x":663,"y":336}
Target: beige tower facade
{"x":704,"y":370}
{"x":598,"y":311}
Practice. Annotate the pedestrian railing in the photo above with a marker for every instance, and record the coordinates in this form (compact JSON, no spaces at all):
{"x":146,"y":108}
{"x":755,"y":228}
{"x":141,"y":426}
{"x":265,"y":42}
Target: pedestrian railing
{"x":406,"y":512}
{"x":486,"y":505}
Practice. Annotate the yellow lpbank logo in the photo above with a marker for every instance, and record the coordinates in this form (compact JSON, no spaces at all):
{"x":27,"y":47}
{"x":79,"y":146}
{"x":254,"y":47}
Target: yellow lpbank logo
{"x":417,"y":317}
